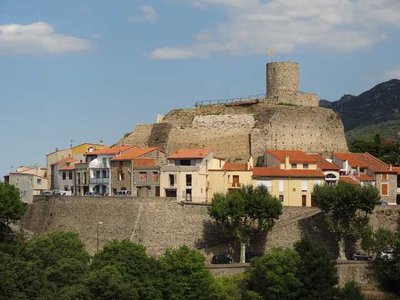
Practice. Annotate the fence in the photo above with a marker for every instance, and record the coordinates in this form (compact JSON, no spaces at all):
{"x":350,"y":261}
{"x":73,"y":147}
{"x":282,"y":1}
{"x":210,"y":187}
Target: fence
{"x":233,"y":101}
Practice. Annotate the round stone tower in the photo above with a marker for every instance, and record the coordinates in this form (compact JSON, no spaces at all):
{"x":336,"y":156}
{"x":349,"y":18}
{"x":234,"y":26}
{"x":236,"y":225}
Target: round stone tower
{"x":282,"y":79}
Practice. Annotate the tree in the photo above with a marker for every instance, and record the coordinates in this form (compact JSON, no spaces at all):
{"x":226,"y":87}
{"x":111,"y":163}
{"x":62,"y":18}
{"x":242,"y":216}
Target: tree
{"x":274,"y":276}
{"x":346,"y":207}
{"x":315,"y":266}
{"x":185,"y":275}
{"x":227,"y":288}
{"x":135,"y":266}
{"x":11,"y":206}
{"x":246,"y":211}
{"x":351,"y":291}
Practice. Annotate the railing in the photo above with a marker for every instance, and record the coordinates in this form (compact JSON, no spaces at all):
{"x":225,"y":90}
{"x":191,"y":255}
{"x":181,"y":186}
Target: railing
{"x":233,"y":101}
{"x":99,"y":180}
{"x":236,"y":185}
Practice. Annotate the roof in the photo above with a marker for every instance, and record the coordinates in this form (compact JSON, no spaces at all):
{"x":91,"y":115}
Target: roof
{"x":65,"y":161}
{"x":144,"y":162}
{"x":230,"y":166}
{"x":66,"y":149}
{"x":295,"y":156}
{"x":347,"y":179}
{"x":189,"y":153}
{"x":397,"y":170}
{"x":135,"y":152}
{"x":364,"y":177}
{"x":323,"y":164}
{"x":67,"y":168}
{"x":365,"y":160}
{"x":110,"y":150}
{"x":276,"y":172}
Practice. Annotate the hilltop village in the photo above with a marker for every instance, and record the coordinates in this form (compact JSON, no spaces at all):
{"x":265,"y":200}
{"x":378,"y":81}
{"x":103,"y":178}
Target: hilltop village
{"x":282,"y":140}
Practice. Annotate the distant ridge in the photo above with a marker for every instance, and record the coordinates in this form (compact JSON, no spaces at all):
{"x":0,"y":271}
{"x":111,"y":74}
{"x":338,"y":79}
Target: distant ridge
{"x":374,"y":111}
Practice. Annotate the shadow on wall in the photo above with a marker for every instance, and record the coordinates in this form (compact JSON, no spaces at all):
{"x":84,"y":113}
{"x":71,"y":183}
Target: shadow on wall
{"x":315,"y":228}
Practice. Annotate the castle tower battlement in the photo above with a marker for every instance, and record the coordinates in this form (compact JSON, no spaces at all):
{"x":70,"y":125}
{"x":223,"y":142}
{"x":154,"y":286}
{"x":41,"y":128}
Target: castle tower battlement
{"x":283,"y":85}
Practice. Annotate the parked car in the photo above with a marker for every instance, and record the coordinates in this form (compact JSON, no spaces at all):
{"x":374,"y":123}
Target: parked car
{"x":250,"y":255}
{"x":91,"y":194}
{"x":46,"y":193}
{"x":382,"y":202}
{"x":221,"y":259}
{"x":360,"y":256}
{"x":123,"y":193}
{"x":385,"y":255}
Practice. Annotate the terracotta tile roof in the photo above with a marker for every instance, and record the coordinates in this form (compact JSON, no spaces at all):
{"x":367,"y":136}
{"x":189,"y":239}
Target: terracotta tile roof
{"x":365,"y":160}
{"x":110,"y":151}
{"x":276,"y":172}
{"x":230,"y":166}
{"x":323,"y":164}
{"x":295,"y":156}
{"x":364,"y":177}
{"x":347,"y":179}
{"x":189,"y":153}
{"x":67,"y":168}
{"x":144,"y":162}
{"x":397,"y":170}
{"x":134,"y":153}
{"x":65,"y":161}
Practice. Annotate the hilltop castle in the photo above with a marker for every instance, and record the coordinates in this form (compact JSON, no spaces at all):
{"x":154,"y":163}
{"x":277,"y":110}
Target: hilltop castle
{"x":282,"y":119}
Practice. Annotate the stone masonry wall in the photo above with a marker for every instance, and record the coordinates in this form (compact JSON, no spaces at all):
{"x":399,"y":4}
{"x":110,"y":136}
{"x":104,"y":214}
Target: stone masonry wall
{"x":138,"y":137}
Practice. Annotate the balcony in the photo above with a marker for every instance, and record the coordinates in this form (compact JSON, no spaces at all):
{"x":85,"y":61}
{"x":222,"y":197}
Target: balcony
{"x":235,"y":185}
{"x":105,"y":180}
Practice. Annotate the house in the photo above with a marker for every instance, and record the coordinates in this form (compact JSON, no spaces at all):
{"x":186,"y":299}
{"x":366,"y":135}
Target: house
{"x":82,"y":178}
{"x":290,"y":175}
{"x":65,"y":179}
{"x":330,"y":170}
{"x":397,"y":170}
{"x":364,"y":168}
{"x":60,"y":154}
{"x":229,"y":177}
{"x":185,"y":177}
{"x":99,"y":168}
{"x":138,"y":172}
{"x":29,"y":181}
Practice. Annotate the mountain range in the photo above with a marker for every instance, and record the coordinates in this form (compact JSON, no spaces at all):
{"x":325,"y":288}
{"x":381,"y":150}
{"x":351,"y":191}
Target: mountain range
{"x":374,"y":111}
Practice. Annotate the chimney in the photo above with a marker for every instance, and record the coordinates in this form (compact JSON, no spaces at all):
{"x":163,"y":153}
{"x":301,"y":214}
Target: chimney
{"x":287,"y":162}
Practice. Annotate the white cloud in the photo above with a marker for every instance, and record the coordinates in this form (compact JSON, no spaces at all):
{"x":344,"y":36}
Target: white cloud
{"x":253,"y":26}
{"x":392,"y":74}
{"x":149,"y":13}
{"x":37,"y":38}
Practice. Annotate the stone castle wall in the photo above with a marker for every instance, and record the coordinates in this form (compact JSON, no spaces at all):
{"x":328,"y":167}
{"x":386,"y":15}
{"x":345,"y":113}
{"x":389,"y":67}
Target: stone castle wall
{"x":235,"y":133}
{"x":282,"y":79}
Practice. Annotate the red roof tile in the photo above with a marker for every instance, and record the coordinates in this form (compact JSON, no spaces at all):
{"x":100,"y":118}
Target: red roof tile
{"x":144,"y":162}
{"x":189,"y":153}
{"x":276,"y":172}
{"x":67,"y":168}
{"x":397,"y":170}
{"x":365,"y":160}
{"x":134,"y":153}
{"x":230,"y":166}
{"x":352,"y":159}
{"x":65,"y":161}
{"x":323,"y":164}
{"x":295,"y":156}
{"x":364,"y":177}
{"x":110,"y":151}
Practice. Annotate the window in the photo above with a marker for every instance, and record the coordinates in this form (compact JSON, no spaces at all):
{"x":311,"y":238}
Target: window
{"x":105,"y":162}
{"x":185,"y":162}
{"x":281,"y":198}
{"x":64,"y":175}
{"x":188,"y":180}
{"x":84,"y":177}
{"x":156,"y":176}
{"x":267,"y":183}
{"x":384,"y":176}
{"x":38,"y":181}
{"x":235,"y":181}
{"x":280,"y":183}
{"x":121,"y":176}
{"x":97,"y":174}
{"x":142,"y":176}
{"x":70,"y":175}
{"x":384,"y":189}
{"x":293,"y":166}
{"x":104,"y":173}
{"x":304,"y":185}
{"x":171,"y":179}
{"x":305,"y":166}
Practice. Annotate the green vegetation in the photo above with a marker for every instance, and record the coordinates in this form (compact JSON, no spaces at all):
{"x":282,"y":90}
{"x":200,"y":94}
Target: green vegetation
{"x":346,"y":208}
{"x":386,"y":150}
{"x":11,"y":206}
{"x":246,"y":211}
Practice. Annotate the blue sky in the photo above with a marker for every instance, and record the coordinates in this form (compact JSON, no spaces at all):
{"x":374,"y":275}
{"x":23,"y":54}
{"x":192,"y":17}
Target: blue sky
{"x":91,"y":70}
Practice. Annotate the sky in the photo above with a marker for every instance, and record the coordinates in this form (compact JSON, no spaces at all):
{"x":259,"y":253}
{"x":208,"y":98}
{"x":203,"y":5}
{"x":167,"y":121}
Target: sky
{"x":75,"y":71}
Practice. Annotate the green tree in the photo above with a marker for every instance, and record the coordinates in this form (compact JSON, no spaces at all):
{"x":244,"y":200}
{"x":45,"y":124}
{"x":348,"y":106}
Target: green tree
{"x":185,"y":275}
{"x":227,"y":288}
{"x":346,"y":208}
{"x":351,"y":291}
{"x":274,"y":276}
{"x":11,"y":206}
{"x":134,"y":265}
{"x":316,"y":271}
{"x":246,"y":211}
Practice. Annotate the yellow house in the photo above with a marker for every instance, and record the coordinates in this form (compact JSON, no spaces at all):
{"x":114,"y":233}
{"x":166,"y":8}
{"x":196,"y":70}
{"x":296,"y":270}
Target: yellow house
{"x":290,"y":175}
{"x":185,"y":177}
{"x":230,"y":177}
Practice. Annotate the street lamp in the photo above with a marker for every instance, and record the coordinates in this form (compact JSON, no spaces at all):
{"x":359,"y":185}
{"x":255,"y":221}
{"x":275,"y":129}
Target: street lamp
{"x":97,"y":235}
